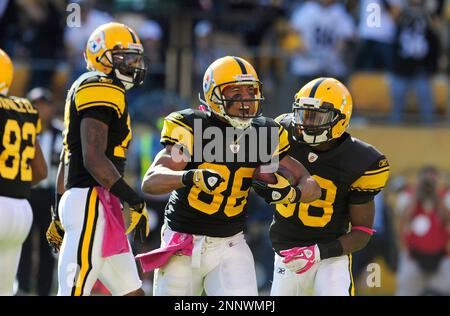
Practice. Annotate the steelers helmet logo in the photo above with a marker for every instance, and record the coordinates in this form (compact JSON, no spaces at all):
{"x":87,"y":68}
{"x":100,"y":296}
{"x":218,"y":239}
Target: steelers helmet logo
{"x":208,"y":81}
{"x":97,"y":42}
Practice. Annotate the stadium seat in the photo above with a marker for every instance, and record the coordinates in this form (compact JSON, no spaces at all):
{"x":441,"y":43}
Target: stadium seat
{"x":22,"y":74}
{"x":370,"y":92}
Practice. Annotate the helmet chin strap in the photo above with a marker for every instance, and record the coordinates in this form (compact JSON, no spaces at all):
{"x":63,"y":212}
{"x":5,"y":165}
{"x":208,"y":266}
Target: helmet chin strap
{"x":239,"y":123}
{"x":124,"y":79}
{"x":235,"y":122}
{"x":315,"y":140}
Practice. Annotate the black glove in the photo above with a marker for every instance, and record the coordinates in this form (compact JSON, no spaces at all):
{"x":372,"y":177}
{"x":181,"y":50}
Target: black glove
{"x":139,"y":222}
{"x":138,"y":213}
{"x":281,"y":192}
{"x":204,"y":179}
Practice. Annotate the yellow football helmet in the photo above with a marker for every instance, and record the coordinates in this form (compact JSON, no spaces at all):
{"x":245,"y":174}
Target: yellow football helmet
{"x":6,"y":73}
{"x":322,"y":111}
{"x":115,"y":49}
{"x":226,"y":71}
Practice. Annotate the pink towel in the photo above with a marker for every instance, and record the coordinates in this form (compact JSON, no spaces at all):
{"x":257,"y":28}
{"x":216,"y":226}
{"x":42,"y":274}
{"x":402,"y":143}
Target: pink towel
{"x":179,"y":242}
{"x":114,"y":238}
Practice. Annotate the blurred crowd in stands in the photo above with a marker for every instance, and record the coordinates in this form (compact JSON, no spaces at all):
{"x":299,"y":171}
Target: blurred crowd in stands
{"x":394,"y":55}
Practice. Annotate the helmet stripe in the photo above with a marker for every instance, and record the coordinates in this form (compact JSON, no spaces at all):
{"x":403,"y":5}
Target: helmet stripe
{"x":316,"y":85}
{"x":241,"y":65}
{"x":132,"y":36}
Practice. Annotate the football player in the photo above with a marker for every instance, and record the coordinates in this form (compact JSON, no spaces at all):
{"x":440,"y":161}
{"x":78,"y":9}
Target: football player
{"x":96,"y":137}
{"x":21,"y":166}
{"x":209,"y":196}
{"x":314,"y":241}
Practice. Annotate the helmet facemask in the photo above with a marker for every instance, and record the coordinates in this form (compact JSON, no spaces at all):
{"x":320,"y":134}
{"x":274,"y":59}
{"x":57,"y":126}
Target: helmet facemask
{"x":246,"y":111}
{"x":313,"y":120}
{"x":128,"y":65}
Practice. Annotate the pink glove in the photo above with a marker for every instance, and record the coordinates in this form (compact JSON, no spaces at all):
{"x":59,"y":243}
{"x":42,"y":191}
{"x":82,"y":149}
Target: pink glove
{"x":301,"y":259}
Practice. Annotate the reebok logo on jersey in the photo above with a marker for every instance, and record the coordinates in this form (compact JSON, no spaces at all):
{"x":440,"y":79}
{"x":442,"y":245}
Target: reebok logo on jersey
{"x":281,"y":271}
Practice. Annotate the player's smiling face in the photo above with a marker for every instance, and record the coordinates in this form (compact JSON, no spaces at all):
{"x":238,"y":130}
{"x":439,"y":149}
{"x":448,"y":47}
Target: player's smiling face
{"x":240,"y":100}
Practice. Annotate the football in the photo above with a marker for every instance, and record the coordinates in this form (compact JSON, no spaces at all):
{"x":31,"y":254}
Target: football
{"x":270,"y":177}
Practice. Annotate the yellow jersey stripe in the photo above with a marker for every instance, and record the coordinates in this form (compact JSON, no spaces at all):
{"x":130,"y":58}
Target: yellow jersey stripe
{"x":282,"y":150}
{"x":178,"y":134}
{"x":100,"y":94}
{"x":101,"y":84}
{"x":180,"y":123}
{"x":172,"y":140}
{"x":371,"y":182}
{"x":113,"y":106}
{"x":87,"y":241}
{"x":351,"y":289}
{"x":367,"y":190}
{"x":377,"y":171}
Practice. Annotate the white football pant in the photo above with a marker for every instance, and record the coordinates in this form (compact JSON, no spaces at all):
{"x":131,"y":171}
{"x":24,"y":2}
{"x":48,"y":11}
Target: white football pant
{"x":219,"y":266}
{"x":15,"y":224}
{"x":329,"y":277}
{"x":80,"y":261}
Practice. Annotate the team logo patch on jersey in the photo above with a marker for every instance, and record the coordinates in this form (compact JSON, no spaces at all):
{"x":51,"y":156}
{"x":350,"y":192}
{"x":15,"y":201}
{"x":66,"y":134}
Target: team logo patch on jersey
{"x":97,"y":42}
{"x":312,"y":157}
{"x":107,"y":80}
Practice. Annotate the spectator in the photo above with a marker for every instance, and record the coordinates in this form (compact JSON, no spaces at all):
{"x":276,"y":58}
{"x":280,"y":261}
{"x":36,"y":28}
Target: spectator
{"x":9,"y":19}
{"x":416,"y":54}
{"x":75,"y":38}
{"x":376,"y":31}
{"x":151,"y":34}
{"x":205,"y":49}
{"x":41,"y":199}
{"x":42,"y":37}
{"x":324,"y":28}
{"x":424,"y":265}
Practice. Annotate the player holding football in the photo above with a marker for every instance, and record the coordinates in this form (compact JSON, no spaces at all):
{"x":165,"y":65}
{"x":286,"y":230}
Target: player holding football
{"x":209,"y":197}
{"x":21,"y":166}
{"x":314,"y":241}
{"x":96,"y":137}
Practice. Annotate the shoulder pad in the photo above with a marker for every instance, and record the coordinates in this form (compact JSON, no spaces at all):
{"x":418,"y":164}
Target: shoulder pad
{"x":100,"y":91}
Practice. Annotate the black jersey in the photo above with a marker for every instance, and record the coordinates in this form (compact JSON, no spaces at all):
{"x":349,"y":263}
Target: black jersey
{"x":351,"y":173}
{"x":103,"y":98}
{"x":19,"y":124}
{"x":235,"y":157}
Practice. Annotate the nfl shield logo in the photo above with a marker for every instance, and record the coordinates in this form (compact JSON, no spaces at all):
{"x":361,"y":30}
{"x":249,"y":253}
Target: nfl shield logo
{"x":234,"y":148}
{"x":312,"y":157}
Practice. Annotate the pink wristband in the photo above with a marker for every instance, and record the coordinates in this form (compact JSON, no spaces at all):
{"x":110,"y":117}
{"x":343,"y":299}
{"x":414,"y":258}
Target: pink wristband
{"x":369,"y":231}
